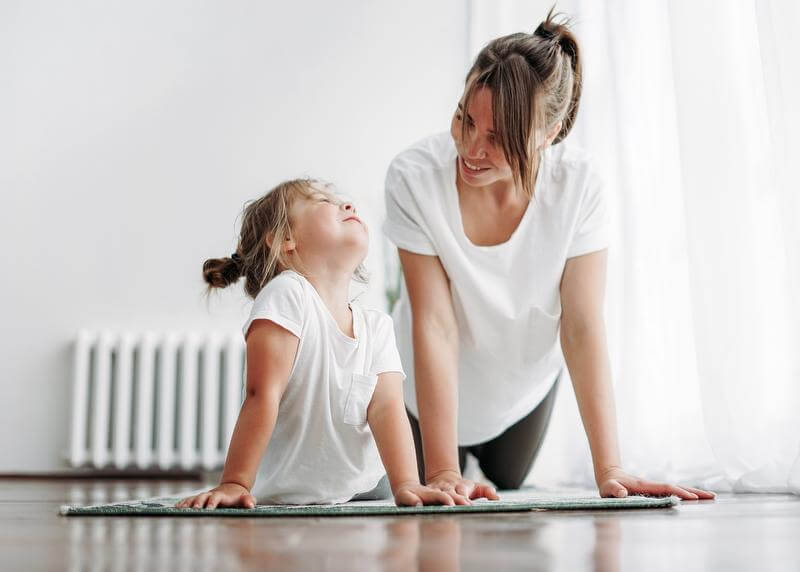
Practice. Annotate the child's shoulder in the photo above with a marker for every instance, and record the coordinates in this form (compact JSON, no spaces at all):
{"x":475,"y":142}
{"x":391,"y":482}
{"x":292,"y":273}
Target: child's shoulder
{"x":286,"y":290}
{"x":287,"y":282}
{"x":377,"y":320}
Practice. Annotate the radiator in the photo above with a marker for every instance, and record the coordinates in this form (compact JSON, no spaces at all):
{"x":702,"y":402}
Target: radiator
{"x":155,"y":401}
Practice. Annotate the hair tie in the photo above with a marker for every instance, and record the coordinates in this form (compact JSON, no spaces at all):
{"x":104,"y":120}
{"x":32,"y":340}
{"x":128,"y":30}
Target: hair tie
{"x":236,"y":258}
{"x":543,"y":32}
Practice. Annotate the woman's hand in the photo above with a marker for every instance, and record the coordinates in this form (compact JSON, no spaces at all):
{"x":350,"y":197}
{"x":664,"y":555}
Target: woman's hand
{"x":226,"y":494}
{"x":460,"y":489}
{"x":614,"y":482}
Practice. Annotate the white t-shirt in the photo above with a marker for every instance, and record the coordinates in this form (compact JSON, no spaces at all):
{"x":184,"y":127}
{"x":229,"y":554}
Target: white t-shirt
{"x":505,"y":297}
{"x":322,"y":449}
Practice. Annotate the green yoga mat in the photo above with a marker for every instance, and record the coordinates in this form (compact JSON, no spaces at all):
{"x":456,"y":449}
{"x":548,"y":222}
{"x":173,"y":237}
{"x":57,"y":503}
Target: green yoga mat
{"x":510,"y":501}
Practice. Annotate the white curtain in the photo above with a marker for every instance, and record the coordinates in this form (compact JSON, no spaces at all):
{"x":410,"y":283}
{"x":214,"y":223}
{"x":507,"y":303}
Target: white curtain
{"x":687,"y":109}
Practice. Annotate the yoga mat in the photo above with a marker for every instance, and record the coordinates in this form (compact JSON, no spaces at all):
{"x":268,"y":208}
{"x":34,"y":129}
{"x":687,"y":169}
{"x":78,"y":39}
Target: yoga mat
{"x":510,"y":501}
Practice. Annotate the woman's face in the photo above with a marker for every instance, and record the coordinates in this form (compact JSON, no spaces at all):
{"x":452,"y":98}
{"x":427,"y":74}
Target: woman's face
{"x":481,"y":161}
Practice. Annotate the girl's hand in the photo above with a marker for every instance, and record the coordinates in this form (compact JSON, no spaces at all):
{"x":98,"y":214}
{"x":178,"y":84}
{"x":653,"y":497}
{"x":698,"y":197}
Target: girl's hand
{"x":460,"y":489}
{"x":415,"y":494}
{"x":226,"y":494}
{"x":615,"y":482}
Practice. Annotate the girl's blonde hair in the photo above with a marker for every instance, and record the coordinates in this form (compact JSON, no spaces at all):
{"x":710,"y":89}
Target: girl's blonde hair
{"x":536,"y":81}
{"x":265,"y":221}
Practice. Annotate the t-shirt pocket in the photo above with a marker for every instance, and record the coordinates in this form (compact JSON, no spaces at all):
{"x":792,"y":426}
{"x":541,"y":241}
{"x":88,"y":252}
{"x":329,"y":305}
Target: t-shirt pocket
{"x":358,"y":398}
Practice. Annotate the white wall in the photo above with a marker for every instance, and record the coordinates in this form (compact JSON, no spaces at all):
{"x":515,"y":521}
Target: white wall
{"x":133,"y":133}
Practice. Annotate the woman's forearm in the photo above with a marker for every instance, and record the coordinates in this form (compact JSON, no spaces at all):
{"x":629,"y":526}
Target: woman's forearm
{"x":586,"y":354}
{"x":249,"y":440}
{"x":436,"y":373}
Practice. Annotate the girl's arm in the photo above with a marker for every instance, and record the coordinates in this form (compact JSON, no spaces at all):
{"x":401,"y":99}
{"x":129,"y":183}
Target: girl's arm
{"x":270,"y":354}
{"x":583,"y":340}
{"x":387,"y":419}
{"x":435,"y":339}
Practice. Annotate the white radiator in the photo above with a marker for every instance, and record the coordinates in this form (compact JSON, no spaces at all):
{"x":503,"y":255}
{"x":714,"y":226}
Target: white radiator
{"x":155,"y":401}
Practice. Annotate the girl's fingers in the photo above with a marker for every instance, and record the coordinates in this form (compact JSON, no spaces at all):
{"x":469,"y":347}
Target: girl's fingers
{"x":463,"y":488}
{"x":484,"y":491}
{"x":213,"y":500}
{"x":431,"y":496}
{"x":613,"y":488}
{"x":407,"y":498}
{"x":247,"y":500}
{"x":200,"y":500}
{"x":457,"y":498}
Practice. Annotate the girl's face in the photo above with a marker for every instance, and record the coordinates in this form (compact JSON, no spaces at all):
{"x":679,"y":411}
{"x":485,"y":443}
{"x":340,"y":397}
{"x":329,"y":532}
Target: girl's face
{"x":481,"y":161}
{"x":327,"y":229}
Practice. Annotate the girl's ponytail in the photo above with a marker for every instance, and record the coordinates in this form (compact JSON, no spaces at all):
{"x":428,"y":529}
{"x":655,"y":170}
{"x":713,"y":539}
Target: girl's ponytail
{"x":222,"y":272}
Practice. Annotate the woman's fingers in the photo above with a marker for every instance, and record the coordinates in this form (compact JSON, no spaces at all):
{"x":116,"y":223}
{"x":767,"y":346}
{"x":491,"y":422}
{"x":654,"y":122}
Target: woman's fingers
{"x":661,"y":489}
{"x":701,"y":493}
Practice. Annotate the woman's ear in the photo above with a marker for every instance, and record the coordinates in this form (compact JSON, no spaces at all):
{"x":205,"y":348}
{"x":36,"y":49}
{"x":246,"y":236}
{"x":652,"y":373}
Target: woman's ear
{"x":552,"y":133}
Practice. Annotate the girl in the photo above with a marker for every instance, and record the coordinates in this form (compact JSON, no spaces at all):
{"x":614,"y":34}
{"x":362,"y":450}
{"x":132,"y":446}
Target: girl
{"x":502,"y":239}
{"x":324,"y":380}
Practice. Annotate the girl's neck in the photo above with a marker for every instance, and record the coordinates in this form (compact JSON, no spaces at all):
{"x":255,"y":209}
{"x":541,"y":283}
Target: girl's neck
{"x":334,"y":289}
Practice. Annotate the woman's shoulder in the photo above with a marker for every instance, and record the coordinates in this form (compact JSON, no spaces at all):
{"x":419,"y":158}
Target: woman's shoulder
{"x":571,"y":166}
{"x":569,"y":156}
{"x":425,"y":157}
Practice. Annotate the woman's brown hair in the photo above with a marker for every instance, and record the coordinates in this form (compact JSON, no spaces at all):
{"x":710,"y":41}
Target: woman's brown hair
{"x":259,"y":256}
{"x":536,"y":81}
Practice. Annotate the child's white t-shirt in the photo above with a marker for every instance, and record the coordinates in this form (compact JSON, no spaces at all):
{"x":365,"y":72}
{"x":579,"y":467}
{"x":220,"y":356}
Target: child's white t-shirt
{"x":505,"y":297}
{"x":322,"y":449}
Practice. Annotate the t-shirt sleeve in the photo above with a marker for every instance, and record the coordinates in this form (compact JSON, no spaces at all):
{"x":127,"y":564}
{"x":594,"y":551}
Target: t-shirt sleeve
{"x":385,"y":357}
{"x":591,"y":229}
{"x":404,"y":224}
{"x":280,"y":301}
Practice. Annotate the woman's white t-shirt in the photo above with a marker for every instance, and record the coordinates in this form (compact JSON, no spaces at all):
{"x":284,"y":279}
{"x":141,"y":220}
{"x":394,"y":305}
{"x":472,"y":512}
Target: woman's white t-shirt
{"x":322,"y":449}
{"x":505,"y":297}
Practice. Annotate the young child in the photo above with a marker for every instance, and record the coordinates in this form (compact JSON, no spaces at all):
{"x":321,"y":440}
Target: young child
{"x":324,"y":379}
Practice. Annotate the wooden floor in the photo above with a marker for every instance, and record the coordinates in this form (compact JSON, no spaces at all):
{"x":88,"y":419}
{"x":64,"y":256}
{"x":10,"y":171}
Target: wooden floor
{"x":735,"y":532}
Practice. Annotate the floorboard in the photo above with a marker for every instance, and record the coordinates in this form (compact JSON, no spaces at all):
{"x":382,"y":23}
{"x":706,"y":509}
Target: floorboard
{"x":735,"y":532}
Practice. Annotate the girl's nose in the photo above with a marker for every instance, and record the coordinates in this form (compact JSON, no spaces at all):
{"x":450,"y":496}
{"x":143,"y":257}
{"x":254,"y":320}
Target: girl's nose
{"x":349,"y":207}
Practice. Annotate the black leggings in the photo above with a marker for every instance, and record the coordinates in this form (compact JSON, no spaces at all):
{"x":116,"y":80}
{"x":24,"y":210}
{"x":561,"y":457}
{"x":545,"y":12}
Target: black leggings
{"x":507,"y":459}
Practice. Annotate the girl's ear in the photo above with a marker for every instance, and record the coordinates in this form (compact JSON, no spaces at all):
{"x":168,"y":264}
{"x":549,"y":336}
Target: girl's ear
{"x":288,"y":243}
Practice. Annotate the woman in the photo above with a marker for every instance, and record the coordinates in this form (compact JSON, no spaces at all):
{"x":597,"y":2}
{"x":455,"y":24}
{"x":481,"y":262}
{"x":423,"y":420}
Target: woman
{"x":502,"y":240}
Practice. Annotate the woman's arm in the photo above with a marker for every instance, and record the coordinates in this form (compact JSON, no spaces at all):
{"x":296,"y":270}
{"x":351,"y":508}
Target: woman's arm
{"x":270,"y":354}
{"x":583,"y":340}
{"x":387,"y":419}
{"x":435,"y":339}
